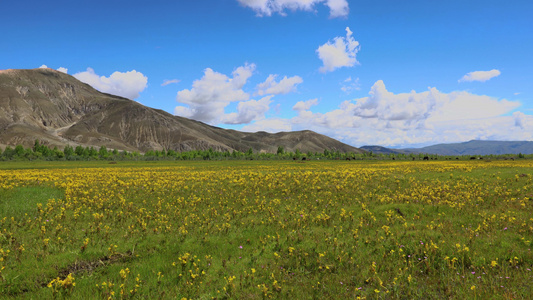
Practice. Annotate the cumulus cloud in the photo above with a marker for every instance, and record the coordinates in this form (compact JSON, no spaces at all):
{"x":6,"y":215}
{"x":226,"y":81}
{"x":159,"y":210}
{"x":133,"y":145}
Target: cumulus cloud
{"x":341,"y":52}
{"x":217,"y":87}
{"x":338,"y":8}
{"x":413,"y":118}
{"x":248,"y":111}
{"x":305,"y":105}
{"x":523,"y":121}
{"x":480,"y":75}
{"x":43,"y":67}
{"x":169,"y":81}
{"x":413,"y":109}
{"x":466,"y":106}
{"x":212,"y":93}
{"x":284,"y":86}
{"x":384,"y":105}
{"x":128,"y":84}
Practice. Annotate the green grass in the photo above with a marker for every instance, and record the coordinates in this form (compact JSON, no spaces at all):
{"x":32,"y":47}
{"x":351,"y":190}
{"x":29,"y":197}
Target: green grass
{"x":253,"y":230}
{"x":23,"y":200}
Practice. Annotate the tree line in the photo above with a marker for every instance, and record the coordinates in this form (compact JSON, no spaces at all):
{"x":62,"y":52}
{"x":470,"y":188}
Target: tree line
{"x":43,"y":152}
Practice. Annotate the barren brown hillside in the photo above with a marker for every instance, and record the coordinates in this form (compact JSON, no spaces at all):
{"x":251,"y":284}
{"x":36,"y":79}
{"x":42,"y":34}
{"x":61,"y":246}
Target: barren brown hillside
{"x":58,"y":110}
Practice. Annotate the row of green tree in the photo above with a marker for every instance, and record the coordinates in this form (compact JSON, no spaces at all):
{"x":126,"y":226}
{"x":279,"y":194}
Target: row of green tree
{"x":42,"y":152}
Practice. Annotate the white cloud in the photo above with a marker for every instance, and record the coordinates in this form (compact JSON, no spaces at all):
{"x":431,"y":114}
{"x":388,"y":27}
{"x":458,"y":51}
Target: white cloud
{"x":341,"y":118}
{"x":429,"y":117}
{"x":349,"y":85}
{"x":480,"y":75}
{"x":212,"y":93}
{"x":305,"y":105}
{"x":338,"y":8}
{"x":432,"y":106}
{"x":217,"y":87}
{"x":284,"y":86}
{"x":209,"y":96}
{"x":465,"y":106}
{"x":128,"y":84}
{"x":170,"y":81}
{"x":384,"y":105}
{"x":61,"y":69}
{"x":341,"y":52}
{"x":523,"y":121}
{"x":248,"y":111}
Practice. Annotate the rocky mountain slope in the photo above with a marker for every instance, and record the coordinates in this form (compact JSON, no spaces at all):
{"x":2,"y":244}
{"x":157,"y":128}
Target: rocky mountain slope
{"x":59,"y":110}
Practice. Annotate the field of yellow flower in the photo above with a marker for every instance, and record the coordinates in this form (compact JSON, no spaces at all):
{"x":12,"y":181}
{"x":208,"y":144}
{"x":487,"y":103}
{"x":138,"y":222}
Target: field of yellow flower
{"x":253,"y":230}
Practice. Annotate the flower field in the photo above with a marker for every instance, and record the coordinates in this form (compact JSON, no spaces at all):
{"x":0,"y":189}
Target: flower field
{"x":271,"y":229}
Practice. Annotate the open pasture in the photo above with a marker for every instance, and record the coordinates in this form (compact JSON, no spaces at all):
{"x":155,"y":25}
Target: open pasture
{"x":253,"y":230}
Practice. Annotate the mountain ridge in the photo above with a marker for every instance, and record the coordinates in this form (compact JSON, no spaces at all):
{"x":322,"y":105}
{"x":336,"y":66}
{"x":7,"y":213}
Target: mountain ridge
{"x":59,"y":110}
{"x":473,"y":147}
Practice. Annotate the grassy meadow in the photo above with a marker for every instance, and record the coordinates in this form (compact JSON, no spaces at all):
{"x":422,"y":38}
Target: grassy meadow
{"x":269,"y":229}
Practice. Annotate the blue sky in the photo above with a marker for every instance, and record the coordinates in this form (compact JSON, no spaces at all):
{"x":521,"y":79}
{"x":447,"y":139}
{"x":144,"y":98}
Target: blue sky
{"x":392,"y":73}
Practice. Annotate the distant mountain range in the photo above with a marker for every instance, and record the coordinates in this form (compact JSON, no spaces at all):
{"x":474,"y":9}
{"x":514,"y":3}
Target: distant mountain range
{"x":59,"y":110}
{"x":474,"y":147}
{"x":381,"y":150}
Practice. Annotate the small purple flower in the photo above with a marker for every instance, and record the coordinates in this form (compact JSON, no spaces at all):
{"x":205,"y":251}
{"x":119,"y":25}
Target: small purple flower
{"x":240,"y":247}
{"x":473,"y":273}
{"x":505,"y":228}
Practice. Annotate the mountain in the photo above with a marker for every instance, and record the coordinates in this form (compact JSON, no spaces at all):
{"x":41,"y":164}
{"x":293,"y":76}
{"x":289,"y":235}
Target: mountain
{"x":59,"y":110}
{"x":380,"y":150}
{"x":478,"y":148}
{"x":474,"y":147}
